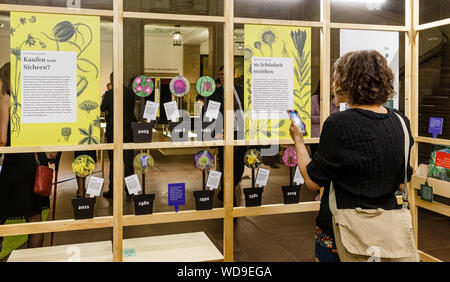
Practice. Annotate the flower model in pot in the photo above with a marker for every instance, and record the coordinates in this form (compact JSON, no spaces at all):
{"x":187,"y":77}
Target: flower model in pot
{"x":291,"y":193}
{"x":253,"y":195}
{"x":83,"y":207}
{"x":143,"y":164}
{"x":203,"y":160}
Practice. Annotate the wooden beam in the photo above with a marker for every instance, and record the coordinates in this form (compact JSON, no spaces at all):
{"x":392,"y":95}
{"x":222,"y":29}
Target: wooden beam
{"x":424,"y":257}
{"x":229,"y":130}
{"x":325,"y":58}
{"x":169,"y":145}
{"x":118,"y":131}
{"x":430,"y":140}
{"x":167,"y":217}
{"x":369,"y":27}
{"x":58,"y":148}
{"x":270,"y":142}
{"x":173,"y":17}
{"x":434,"y":206}
{"x":55,"y":10}
{"x":55,"y":226}
{"x":434,"y":24}
{"x":277,"y":209}
{"x":277,"y":22}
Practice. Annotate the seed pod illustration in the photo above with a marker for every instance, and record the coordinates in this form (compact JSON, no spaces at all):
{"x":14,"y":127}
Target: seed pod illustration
{"x":65,"y":132}
{"x":63,"y":31}
{"x":81,"y":85}
{"x":88,"y":106}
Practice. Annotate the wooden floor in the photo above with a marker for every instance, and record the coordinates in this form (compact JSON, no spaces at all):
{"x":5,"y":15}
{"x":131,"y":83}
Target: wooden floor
{"x":288,"y":237}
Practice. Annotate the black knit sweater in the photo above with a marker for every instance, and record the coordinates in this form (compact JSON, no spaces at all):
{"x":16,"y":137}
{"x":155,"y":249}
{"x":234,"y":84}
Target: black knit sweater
{"x":362,"y":152}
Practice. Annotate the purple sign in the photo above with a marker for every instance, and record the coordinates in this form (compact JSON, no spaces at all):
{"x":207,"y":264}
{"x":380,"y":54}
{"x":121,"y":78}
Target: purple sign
{"x":177,"y":195}
{"x":435,"y":126}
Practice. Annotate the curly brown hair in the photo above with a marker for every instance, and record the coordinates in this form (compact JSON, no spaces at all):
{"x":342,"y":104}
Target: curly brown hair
{"x":363,"y":78}
{"x":5,"y":79}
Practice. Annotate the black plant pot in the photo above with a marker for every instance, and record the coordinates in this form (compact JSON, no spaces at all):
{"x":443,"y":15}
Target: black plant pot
{"x":253,"y":196}
{"x":142,"y":132}
{"x":204,"y":199}
{"x":291,"y":194}
{"x":83,"y":208}
{"x":143,"y":204}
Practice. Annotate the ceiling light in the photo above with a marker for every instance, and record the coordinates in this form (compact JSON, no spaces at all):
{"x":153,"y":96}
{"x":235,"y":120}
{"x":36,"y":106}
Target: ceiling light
{"x":177,"y":37}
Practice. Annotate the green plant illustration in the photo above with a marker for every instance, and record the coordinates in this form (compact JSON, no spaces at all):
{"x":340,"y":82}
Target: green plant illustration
{"x":65,"y":132}
{"x":82,"y":84}
{"x":302,"y":70}
{"x":89,"y":137}
{"x":88,"y":106}
{"x":30,"y":41}
{"x":64,"y":31}
{"x":269,"y":37}
{"x":96,"y":122}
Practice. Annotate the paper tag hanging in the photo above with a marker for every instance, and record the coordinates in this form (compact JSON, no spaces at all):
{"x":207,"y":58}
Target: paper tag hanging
{"x":213,"y":179}
{"x":133,"y":184}
{"x":262,"y":177}
{"x":151,"y":110}
{"x":298,"y":179}
{"x":172,"y":112}
{"x":213,"y":110}
{"x":95,"y":186}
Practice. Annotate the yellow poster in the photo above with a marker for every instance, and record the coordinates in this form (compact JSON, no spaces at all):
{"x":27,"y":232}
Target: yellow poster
{"x":55,"y":81}
{"x":265,"y":41}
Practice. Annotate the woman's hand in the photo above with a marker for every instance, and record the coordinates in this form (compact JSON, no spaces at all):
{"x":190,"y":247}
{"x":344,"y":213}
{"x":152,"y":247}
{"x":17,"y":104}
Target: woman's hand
{"x":296,"y":133}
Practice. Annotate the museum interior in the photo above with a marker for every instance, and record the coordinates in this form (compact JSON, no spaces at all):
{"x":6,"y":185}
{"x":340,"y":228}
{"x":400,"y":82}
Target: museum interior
{"x":168,"y":54}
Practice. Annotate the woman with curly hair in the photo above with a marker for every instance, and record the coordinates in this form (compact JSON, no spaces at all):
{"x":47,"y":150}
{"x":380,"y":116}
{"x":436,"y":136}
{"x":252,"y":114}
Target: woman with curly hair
{"x":361,"y":150}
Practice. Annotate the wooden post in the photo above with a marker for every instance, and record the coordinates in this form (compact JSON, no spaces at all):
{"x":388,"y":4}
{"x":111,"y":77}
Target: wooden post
{"x":325,"y":57}
{"x":229,"y":129}
{"x":118,"y":131}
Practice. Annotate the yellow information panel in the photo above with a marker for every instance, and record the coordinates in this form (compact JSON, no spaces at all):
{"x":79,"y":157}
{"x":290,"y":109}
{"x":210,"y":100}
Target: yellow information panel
{"x":277,"y":77}
{"x":55,"y":82}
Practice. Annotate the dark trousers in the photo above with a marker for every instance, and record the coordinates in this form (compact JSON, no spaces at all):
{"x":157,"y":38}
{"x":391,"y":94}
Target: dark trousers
{"x":128,"y":163}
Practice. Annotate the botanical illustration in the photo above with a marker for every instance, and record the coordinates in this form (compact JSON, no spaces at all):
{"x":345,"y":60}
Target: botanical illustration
{"x":278,"y":41}
{"x":88,"y":106}
{"x":143,"y":163}
{"x":88,"y":136}
{"x":83,"y":165}
{"x":205,"y":86}
{"x":203,"y":160}
{"x":65,"y":132}
{"x":52,"y":32}
{"x":179,"y":86}
{"x":253,"y":158}
{"x":290,"y":157}
{"x":143,"y":86}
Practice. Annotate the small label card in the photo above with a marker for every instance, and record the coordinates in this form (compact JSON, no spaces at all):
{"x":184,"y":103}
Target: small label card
{"x":343,"y":107}
{"x":151,"y":110}
{"x":435,"y":126}
{"x":95,"y":186}
{"x":298,"y":179}
{"x":172,"y":112}
{"x":426,"y":192}
{"x":213,"y":179}
{"x":213,"y":110}
{"x":262,"y":177}
{"x":133,"y":184}
{"x":177,"y":193}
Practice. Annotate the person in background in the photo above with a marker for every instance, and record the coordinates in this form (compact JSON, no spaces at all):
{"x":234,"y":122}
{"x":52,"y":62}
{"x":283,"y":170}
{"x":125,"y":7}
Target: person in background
{"x":107,"y":107}
{"x":17,"y":199}
{"x":109,"y":86}
{"x":361,"y":149}
{"x":315,"y":110}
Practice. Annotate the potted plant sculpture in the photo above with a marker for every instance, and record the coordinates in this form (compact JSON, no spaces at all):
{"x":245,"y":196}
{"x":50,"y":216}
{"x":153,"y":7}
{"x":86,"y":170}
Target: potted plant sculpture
{"x":253,"y":195}
{"x":291,"y":193}
{"x":203,"y":160}
{"x":143,"y":203}
{"x":83,"y":207}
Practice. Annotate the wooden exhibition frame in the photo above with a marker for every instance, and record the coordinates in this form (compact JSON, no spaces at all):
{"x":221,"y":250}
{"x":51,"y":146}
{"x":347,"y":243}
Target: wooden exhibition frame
{"x":118,"y":221}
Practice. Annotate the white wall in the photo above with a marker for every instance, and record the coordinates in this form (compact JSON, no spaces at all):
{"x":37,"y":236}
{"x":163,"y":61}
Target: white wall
{"x":161,"y":56}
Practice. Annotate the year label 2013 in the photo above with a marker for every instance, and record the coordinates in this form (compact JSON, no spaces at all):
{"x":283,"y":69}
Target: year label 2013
{"x":83,"y":207}
{"x":292,"y":193}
